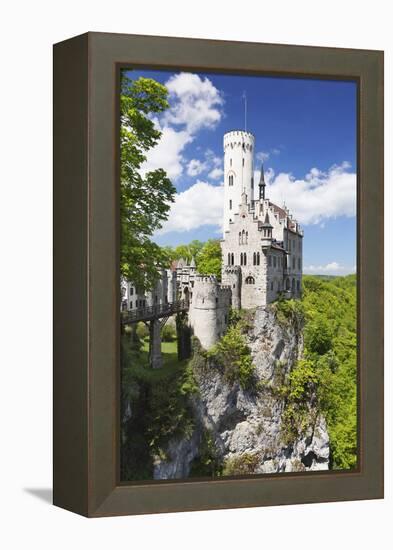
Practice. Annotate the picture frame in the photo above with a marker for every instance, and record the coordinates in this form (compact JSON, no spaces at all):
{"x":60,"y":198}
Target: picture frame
{"x":86,"y":274}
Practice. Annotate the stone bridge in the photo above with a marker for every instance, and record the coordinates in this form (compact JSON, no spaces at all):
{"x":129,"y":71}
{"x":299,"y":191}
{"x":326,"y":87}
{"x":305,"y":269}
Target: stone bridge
{"x":155,"y":318}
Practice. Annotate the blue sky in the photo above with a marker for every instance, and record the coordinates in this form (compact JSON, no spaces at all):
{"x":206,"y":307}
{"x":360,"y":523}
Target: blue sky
{"x":305,"y":133}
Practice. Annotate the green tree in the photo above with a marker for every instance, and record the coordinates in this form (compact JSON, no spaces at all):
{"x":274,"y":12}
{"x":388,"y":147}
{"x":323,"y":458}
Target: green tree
{"x":144,"y":199}
{"x":208,"y":261}
{"x":185,"y":251}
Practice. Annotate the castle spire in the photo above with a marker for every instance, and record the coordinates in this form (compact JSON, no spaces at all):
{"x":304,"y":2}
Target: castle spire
{"x":262,"y":184}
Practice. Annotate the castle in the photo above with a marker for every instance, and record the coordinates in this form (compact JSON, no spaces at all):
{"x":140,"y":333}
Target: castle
{"x":262,"y":250}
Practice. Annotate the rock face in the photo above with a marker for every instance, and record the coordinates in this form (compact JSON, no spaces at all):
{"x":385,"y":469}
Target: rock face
{"x":249,"y":423}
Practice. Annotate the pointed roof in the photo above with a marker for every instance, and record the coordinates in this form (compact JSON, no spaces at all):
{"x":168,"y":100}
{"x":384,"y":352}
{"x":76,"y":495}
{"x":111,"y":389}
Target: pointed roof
{"x":193,"y":264}
{"x":262,"y":177}
{"x":267,"y":223}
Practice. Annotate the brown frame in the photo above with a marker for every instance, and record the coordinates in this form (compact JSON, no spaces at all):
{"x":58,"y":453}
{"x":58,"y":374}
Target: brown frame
{"x":86,"y":274}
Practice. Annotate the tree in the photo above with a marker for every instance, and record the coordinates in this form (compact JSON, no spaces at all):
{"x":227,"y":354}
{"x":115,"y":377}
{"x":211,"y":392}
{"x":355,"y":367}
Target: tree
{"x":208,"y":261}
{"x":144,"y":199}
{"x":185,"y":251}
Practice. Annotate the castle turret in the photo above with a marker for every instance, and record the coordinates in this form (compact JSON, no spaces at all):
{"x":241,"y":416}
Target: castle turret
{"x":232,"y":277}
{"x":208,"y":312}
{"x":238,"y":172}
{"x":266,"y":228}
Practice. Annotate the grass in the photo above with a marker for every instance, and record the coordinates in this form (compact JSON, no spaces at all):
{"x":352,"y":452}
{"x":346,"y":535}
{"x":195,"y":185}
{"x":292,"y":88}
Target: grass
{"x":171,"y":364}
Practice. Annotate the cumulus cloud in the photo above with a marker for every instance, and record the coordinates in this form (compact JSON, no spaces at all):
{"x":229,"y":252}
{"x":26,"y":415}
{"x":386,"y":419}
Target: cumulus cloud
{"x":317,"y":197}
{"x":201,"y":204}
{"x":332,"y":268}
{"x":168,"y":153}
{"x":195,"y":104}
{"x":211,"y":163}
{"x":216,"y":173}
{"x":195,"y":167}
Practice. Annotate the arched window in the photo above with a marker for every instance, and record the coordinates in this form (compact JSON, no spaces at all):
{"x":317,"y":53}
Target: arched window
{"x":243,"y":237}
{"x":232,"y":259}
{"x":229,"y":259}
{"x":250,"y":280}
{"x":254,"y":258}
{"x":246,"y":237}
{"x":258,"y":258}
{"x":230,"y":162}
{"x":245,"y":259}
{"x":230,"y":204}
{"x":241,"y":258}
{"x":240,"y":237}
{"x":230,"y":180}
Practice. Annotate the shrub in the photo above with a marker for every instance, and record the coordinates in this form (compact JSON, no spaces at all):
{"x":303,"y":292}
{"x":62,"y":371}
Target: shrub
{"x":168,"y":333}
{"x":142,"y":331}
{"x":233,"y":355}
{"x":241,"y":465}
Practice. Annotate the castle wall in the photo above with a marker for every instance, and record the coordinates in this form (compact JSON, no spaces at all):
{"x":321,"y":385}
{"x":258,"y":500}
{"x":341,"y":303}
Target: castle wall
{"x":209,"y":310}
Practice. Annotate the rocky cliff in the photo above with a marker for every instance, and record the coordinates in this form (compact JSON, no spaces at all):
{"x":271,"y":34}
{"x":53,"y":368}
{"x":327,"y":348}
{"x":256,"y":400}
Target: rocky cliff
{"x":243,"y":430}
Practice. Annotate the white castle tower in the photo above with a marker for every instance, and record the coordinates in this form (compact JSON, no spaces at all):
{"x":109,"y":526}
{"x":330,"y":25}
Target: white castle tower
{"x":238,"y":172}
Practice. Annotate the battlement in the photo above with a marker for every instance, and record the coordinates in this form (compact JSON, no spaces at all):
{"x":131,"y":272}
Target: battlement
{"x":235,"y":269}
{"x":210,"y":279}
{"x":238,"y":138}
{"x":225,"y":289}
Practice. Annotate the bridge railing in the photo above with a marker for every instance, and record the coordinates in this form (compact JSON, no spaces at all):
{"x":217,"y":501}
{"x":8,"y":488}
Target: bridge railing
{"x":154,"y":311}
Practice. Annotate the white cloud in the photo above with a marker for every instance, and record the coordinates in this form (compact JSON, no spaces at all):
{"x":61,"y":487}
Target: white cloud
{"x":168,"y":153}
{"x":262,"y":156}
{"x":195,"y":101}
{"x":195,"y":104}
{"x":216,"y":173}
{"x":201,"y":204}
{"x":195,"y":167}
{"x":332,"y":268}
{"x":211,"y":163}
{"x":317,"y":197}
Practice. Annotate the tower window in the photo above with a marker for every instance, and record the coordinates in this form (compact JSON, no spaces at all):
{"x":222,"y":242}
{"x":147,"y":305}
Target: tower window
{"x":233,"y":258}
{"x":230,"y":205}
{"x":254,"y":259}
{"x":243,"y":162}
{"x":230,"y":162}
{"x":252,"y":183}
{"x":230,"y":180}
{"x":258,"y":258}
{"x":250,"y":280}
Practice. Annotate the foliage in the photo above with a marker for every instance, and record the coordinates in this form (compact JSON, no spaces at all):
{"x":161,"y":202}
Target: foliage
{"x":208,"y":261}
{"x":233,"y":354}
{"x":168,"y":333}
{"x":327,"y":375}
{"x":144,"y":199}
{"x":289,"y":312}
{"x":208,"y":462}
{"x":241,"y":465}
{"x":142,"y":331}
{"x":160,"y":406}
{"x":185,"y":251}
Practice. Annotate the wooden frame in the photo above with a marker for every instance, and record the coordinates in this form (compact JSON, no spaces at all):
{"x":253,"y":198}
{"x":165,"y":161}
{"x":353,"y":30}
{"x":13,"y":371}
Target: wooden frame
{"x":86,"y":241}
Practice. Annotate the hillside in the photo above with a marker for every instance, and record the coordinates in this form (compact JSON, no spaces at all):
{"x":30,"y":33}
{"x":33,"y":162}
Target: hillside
{"x":277,"y":393}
